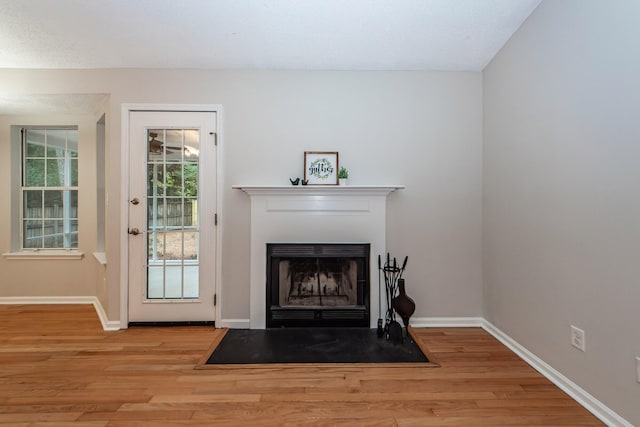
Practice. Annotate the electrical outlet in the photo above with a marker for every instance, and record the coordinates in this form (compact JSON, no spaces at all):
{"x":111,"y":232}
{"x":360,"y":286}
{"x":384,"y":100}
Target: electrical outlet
{"x":578,"y":338}
{"x":638,"y":369}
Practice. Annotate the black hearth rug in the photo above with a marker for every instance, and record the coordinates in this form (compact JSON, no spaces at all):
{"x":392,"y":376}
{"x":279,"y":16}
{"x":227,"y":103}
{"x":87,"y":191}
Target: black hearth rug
{"x":312,"y":345}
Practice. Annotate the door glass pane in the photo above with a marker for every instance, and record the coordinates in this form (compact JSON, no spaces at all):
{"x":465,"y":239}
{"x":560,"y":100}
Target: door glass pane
{"x":191,"y":145}
{"x":172,"y":215}
{"x":155,"y":179}
{"x":191,"y":281}
{"x":190,"y":245}
{"x":190,"y":212}
{"x":174,"y":145}
{"x":190,"y":179}
{"x":174,"y":180}
{"x":173,"y":281}
{"x":172,"y":246}
{"x":155,"y":281}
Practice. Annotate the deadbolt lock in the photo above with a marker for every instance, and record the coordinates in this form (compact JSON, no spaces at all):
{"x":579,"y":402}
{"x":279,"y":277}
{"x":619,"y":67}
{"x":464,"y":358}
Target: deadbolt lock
{"x":134,"y":231}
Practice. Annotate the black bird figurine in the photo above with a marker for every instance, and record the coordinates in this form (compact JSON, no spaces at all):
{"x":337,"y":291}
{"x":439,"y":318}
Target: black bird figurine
{"x":294,"y":181}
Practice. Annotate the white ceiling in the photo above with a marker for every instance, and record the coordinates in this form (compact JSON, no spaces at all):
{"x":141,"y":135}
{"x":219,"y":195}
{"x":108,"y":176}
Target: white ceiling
{"x":258,"y":34}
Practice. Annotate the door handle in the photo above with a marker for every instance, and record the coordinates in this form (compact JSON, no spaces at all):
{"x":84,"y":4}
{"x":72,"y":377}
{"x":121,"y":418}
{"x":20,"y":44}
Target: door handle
{"x":133,"y":231}
{"x":135,"y":201}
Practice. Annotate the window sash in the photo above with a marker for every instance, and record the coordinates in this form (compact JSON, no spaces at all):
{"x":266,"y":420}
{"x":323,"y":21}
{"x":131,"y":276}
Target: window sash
{"x":49,"y":192}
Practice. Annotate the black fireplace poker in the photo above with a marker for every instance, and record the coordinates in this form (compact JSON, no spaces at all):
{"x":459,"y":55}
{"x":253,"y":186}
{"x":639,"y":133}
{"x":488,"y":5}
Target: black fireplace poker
{"x":380,"y":327}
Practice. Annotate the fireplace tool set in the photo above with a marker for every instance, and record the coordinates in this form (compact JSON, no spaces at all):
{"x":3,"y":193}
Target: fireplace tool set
{"x":396,"y":298}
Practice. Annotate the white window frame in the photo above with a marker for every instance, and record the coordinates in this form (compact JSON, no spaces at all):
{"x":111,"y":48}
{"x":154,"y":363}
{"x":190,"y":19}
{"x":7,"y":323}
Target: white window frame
{"x":18,"y":157}
{"x":101,"y":191}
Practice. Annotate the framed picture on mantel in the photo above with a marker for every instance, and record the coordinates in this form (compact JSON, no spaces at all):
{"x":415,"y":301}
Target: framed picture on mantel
{"x":321,"y":167}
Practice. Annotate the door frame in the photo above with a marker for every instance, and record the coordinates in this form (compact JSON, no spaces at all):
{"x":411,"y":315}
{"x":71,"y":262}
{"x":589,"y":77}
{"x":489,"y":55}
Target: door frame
{"x":126,"y":109}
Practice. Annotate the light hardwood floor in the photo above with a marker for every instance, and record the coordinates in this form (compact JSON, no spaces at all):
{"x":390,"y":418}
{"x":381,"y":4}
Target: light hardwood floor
{"x":57,"y":367}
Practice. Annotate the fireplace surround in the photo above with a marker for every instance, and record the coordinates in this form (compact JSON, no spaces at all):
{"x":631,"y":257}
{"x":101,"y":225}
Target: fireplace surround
{"x":317,"y":284}
{"x":320,"y":214}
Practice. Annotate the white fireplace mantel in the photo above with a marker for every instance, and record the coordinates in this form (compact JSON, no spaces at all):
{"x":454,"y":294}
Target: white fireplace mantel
{"x":317,"y":190}
{"x":314,"y":214}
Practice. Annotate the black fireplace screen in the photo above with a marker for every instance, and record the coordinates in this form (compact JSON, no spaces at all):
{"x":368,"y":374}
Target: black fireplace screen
{"x":318,"y":282}
{"x":317,"y":285}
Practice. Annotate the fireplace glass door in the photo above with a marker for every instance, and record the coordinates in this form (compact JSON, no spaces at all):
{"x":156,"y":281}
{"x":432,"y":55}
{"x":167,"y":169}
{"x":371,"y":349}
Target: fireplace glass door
{"x":317,"y":284}
{"x":320,"y":282}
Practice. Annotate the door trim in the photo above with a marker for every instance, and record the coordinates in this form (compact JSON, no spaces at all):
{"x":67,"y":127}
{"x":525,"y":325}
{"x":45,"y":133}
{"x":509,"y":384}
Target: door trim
{"x":126,"y":109}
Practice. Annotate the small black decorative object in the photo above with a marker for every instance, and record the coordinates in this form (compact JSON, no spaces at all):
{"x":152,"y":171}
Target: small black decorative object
{"x":294,"y":181}
{"x":403,"y":304}
{"x":305,"y":181}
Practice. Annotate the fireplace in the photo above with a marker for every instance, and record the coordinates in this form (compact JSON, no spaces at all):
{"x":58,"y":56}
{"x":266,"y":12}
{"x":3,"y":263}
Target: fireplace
{"x":312,"y":213}
{"x":317,"y":284}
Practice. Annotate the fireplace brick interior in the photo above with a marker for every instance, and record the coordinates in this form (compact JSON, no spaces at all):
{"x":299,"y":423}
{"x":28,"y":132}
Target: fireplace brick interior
{"x":318,"y":284}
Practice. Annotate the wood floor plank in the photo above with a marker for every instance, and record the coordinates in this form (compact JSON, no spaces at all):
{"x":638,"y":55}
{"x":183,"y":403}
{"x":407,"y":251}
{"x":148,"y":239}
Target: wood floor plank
{"x":57,"y":367}
{"x":59,"y":417}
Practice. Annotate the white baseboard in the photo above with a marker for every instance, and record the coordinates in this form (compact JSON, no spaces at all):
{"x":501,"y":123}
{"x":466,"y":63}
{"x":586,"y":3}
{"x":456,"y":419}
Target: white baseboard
{"x":593,"y":405}
{"x":416,"y":322}
{"x":47,"y":300}
{"x":446,"y":322}
{"x":235,"y":323}
{"x":107,"y":325}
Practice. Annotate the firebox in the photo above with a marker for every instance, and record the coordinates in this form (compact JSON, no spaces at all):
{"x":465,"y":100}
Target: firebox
{"x":318,"y":284}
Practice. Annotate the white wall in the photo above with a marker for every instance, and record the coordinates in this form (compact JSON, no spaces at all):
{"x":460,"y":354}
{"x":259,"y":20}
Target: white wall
{"x":562,"y":194}
{"x":420,"y":129}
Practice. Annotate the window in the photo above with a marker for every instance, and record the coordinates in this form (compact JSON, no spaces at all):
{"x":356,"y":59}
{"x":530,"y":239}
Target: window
{"x":49,"y":190}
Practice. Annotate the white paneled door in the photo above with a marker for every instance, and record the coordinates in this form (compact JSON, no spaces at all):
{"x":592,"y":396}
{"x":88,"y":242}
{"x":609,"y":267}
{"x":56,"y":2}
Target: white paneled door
{"x":172,"y":202}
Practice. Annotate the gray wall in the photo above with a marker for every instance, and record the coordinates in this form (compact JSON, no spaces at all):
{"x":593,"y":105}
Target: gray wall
{"x":57,"y":278}
{"x":561,"y":241}
{"x":420,"y":129}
